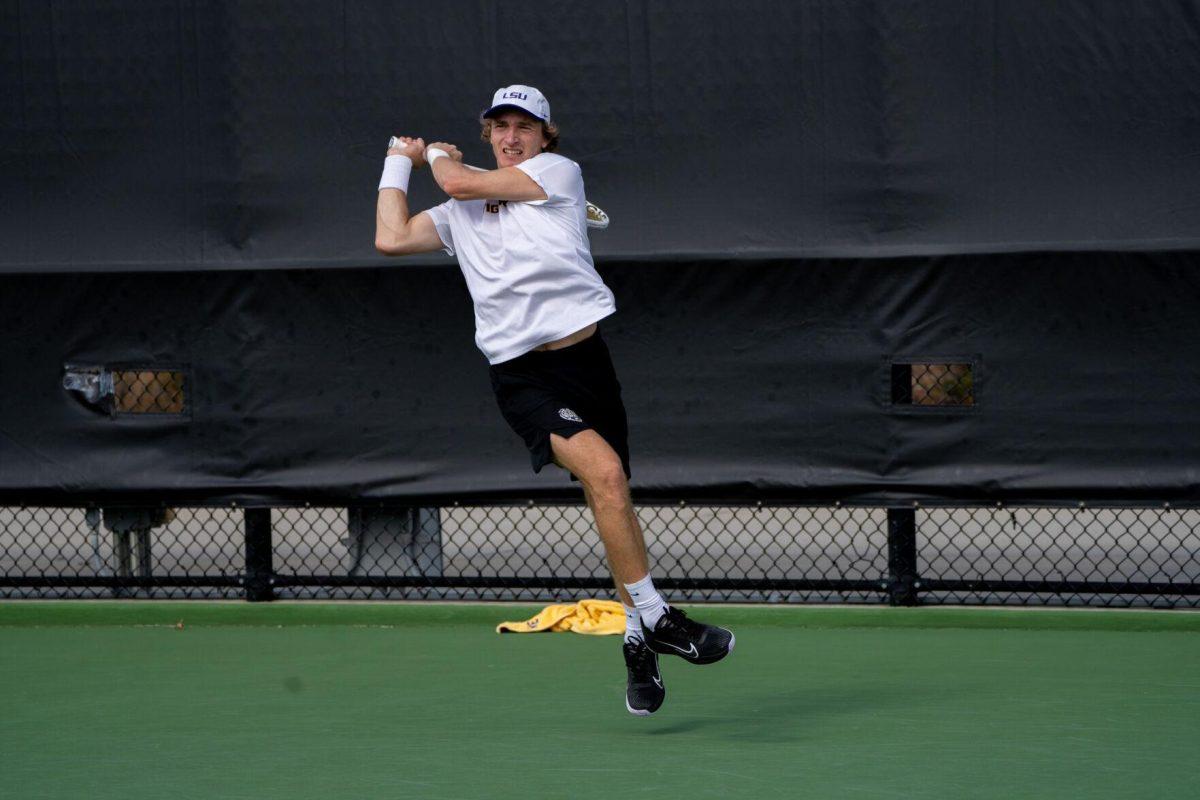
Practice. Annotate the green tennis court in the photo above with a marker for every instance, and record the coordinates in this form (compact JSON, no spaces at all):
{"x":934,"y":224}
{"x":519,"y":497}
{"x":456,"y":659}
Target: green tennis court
{"x":112,"y":700}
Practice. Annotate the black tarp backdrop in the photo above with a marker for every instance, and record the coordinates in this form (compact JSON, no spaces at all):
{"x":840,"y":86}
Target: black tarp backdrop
{"x":742,"y":379}
{"x":154,"y":136}
{"x":783,"y":179}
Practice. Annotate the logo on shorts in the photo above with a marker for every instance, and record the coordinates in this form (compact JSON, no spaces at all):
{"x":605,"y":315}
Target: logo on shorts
{"x":569,"y":415}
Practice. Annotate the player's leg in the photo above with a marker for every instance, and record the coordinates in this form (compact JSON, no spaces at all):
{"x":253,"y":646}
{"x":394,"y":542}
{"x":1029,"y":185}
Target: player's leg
{"x":665,"y":630}
{"x":599,"y":470}
{"x":645,"y":689}
{"x":606,"y":490}
{"x":622,"y":593}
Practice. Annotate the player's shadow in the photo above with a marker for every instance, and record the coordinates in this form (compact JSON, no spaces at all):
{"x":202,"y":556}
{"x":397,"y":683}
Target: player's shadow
{"x":795,"y":713}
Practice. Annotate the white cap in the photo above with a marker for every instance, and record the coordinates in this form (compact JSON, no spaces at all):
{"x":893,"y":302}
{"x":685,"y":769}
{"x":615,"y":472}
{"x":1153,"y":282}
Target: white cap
{"x":525,"y":98}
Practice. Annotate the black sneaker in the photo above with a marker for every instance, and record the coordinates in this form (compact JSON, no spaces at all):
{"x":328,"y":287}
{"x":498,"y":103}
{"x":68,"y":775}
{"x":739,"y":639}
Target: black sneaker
{"x":645,"y":692}
{"x":676,"y":635}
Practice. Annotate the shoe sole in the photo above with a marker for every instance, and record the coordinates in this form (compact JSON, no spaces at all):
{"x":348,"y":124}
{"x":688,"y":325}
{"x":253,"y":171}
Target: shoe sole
{"x":638,"y":712}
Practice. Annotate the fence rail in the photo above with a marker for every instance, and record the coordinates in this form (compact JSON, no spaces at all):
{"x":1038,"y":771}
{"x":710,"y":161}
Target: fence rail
{"x":1103,"y":556}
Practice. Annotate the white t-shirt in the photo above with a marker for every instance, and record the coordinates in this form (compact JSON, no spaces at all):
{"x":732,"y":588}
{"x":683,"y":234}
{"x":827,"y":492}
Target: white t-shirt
{"x":528,"y":264}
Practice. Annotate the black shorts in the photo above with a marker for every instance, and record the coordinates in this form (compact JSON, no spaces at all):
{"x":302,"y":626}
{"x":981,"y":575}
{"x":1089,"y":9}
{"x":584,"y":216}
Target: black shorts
{"x":562,"y":391}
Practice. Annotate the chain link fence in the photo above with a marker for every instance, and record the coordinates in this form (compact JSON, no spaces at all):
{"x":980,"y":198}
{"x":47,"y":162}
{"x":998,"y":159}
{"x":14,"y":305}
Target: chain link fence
{"x":765,"y":553}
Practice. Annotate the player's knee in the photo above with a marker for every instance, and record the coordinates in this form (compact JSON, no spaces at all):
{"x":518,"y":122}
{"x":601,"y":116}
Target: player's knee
{"x":607,"y":483}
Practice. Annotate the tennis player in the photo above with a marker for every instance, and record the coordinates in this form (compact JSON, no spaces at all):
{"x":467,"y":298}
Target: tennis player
{"x":519,"y":233}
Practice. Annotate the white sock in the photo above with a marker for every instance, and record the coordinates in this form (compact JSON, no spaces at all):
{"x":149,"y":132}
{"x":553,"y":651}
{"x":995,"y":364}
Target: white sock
{"x":649,"y":602}
{"x":633,"y":623}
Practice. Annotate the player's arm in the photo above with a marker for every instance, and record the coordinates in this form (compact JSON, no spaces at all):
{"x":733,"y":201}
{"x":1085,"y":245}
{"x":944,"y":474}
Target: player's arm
{"x":467,"y":183}
{"x":396,"y":232}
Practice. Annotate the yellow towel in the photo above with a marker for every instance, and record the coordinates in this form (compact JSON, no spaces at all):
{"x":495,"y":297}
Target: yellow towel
{"x":595,"y":617}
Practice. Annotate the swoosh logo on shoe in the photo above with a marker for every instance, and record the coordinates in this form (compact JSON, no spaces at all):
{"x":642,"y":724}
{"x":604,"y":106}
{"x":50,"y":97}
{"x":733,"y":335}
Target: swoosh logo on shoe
{"x":691,"y":651}
{"x":657,"y":681}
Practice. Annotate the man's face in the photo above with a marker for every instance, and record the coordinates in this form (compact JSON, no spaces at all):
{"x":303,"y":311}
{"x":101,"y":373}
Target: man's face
{"x":516,"y":137}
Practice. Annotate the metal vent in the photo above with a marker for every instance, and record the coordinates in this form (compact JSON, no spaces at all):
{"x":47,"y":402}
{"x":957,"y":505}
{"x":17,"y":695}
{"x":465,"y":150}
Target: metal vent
{"x":130,"y":390}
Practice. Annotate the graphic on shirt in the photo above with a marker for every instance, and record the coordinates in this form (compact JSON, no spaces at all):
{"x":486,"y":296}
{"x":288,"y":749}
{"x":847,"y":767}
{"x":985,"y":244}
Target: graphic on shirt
{"x":569,"y":415}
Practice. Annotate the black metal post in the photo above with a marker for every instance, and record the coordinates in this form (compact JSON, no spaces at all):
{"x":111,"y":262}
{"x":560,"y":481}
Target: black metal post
{"x":124,"y":557}
{"x":260,"y":572}
{"x":903,"y":581}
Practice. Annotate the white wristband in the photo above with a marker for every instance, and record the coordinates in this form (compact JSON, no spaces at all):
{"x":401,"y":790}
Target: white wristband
{"x":433,"y":154}
{"x":396,"y":171}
